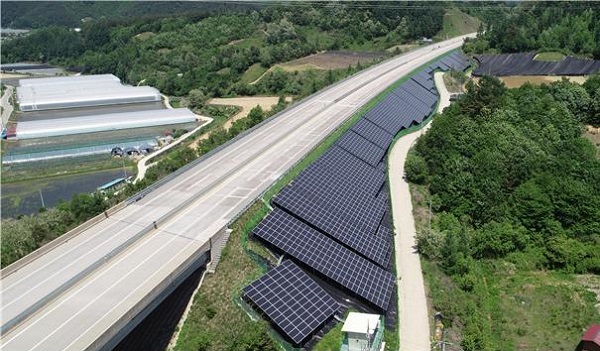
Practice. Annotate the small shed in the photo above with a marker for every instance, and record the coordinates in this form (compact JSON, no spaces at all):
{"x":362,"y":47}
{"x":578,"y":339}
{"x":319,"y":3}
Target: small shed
{"x":590,"y":340}
{"x":363,"y":331}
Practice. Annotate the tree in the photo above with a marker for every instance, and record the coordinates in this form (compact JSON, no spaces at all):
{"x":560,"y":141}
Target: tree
{"x":85,"y":206}
{"x":197,"y":98}
{"x":486,"y":95}
{"x":495,"y":240}
{"x":573,"y":96}
{"x":256,"y":115}
{"x":415,"y":168}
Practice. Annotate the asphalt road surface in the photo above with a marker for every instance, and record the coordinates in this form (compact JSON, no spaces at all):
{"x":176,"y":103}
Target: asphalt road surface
{"x":218,"y":189}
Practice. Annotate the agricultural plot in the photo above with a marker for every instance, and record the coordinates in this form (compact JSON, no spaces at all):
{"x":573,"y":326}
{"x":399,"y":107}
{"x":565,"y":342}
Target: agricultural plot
{"x":333,"y":60}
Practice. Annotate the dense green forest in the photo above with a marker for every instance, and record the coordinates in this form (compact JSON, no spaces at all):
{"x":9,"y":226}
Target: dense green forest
{"x":512,"y":183}
{"x":511,"y":170}
{"x":568,"y":27}
{"x":38,"y":14}
{"x":178,"y":54}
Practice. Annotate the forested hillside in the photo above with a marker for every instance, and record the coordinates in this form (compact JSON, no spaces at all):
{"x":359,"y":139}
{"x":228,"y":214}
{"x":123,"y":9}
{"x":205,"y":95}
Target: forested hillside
{"x":177,"y":54}
{"x":568,"y":27}
{"x":514,"y":188}
{"x":38,"y":14}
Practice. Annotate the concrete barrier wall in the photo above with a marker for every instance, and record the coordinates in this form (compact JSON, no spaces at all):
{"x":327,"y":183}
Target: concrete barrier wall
{"x":60,"y":240}
{"x":118,"y":331}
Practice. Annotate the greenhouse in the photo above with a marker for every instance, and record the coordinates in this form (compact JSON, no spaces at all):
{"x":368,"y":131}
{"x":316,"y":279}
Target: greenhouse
{"x":69,"y":80}
{"x":101,"y":123}
{"x":80,"y":91}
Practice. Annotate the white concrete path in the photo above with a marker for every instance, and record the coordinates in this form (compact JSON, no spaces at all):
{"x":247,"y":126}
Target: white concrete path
{"x":7,"y":106}
{"x":143,"y":164}
{"x":412,"y":302}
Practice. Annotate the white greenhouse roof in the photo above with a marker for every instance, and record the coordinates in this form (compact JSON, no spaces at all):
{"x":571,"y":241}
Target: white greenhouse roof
{"x":359,"y":323}
{"x":68,"y":80}
{"x":79,"y":91}
{"x":101,"y":123}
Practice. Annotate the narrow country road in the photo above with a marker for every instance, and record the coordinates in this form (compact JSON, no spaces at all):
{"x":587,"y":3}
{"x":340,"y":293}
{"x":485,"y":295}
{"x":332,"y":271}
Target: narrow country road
{"x":143,"y":164}
{"x":412,"y":302}
{"x":246,"y":104}
{"x":7,"y":106}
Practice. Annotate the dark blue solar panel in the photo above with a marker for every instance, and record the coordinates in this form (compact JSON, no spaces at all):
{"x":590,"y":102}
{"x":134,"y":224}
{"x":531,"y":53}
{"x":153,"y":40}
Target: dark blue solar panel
{"x":441,"y":66}
{"x":425,"y":80}
{"x":453,"y":63}
{"x":332,"y":260}
{"x":373,"y":133}
{"x":389,"y":114}
{"x":409,"y":99}
{"x":291,"y":300}
{"x":420,"y":93}
{"x":343,"y":165}
{"x":384,"y":233}
{"x":355,"y":204}
{"x":344,"y":217}
{"x":325,"y":180}
{"x":361,"y":148}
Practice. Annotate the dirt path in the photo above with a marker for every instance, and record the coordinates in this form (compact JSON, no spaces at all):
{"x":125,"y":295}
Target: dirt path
{"x":246,"y":103}
{"x":412,"y":301}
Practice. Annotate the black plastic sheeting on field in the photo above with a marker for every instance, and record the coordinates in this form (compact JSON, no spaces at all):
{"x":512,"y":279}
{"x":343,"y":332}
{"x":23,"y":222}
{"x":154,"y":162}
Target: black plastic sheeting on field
{"x":523,"y":64}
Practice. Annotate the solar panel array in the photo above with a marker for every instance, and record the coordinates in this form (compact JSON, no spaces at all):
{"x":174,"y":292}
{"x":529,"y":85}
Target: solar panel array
{"x":290,"y":298}
{"x":351,"y":223}
{"x":333,"y":218}
{"x":324,"y":255}
{"x":343,"y":166}
{"x":373,"y":133}
{"x":362,"y":148}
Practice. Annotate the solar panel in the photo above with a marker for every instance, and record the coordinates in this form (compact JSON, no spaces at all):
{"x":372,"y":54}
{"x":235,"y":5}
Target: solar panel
{"x":323,"y":180}
{"x":361,"y":148}
{"x":291,"y":300}
{"x":373,"y":133}
{"x":386,"y":115}
{"x":384,"y":233}
{"x":343,"y":165}
{"x":456,"y":64}
{"x":350,"y":201}
{"x":420,"y":107}
{"x":420,"y":93}
{"x":342,"y":266}
{"x":425,"y":80}
{"x":387,"y":220}
{"x":383,"y":194}
{"x":351,"y":223}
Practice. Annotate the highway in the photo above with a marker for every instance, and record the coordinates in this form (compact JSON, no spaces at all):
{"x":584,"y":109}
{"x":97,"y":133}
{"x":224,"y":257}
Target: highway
{"x":86,"y":289}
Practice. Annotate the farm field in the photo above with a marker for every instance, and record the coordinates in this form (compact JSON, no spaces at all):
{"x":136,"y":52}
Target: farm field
{"x":331,"y":60}
{"x":549,"y":56}
{"x":328,"y":60}
{"x":517,"y":81}
{"x":24,"y":197}
{"x":245,"y":104}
